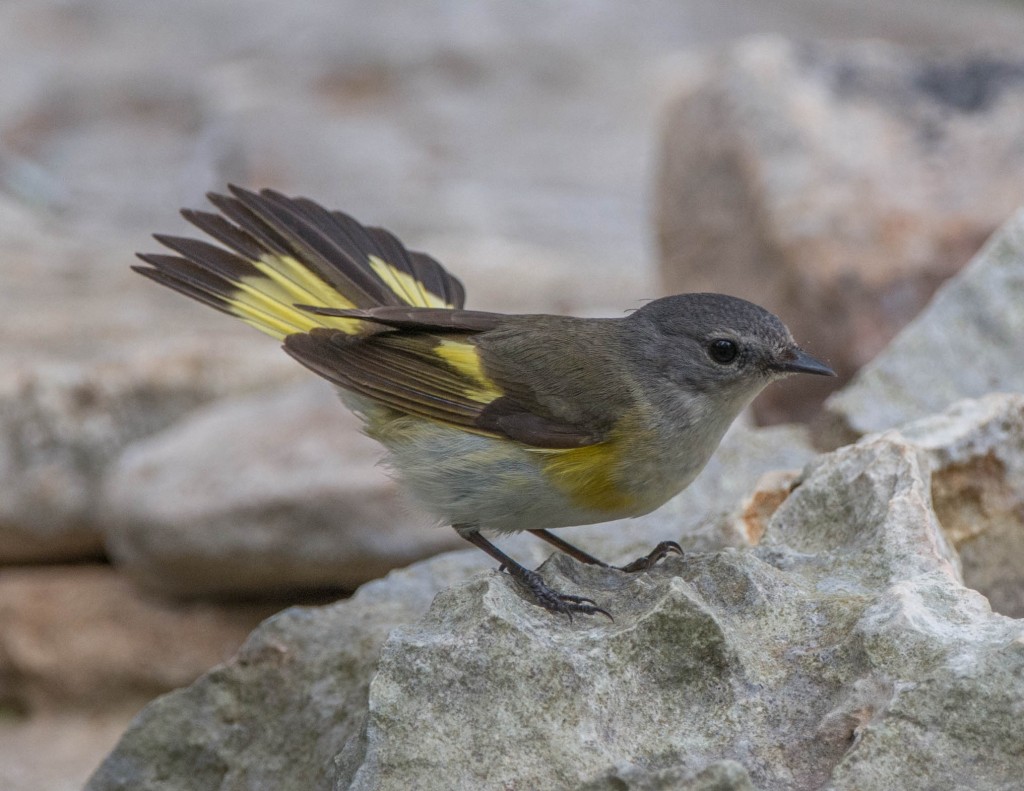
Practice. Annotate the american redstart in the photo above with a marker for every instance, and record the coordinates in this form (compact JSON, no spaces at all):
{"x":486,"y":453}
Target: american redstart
{"x":494,"y":422}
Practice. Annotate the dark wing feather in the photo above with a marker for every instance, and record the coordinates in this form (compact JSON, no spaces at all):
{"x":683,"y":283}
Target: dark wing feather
{"x":433,"y":372}
{"x":402,"y":373}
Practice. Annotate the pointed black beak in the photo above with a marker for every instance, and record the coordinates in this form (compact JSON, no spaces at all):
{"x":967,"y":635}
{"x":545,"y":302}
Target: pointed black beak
{"x":797,"y":361}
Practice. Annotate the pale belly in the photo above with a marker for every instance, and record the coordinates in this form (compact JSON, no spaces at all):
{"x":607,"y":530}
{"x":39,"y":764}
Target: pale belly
{"x":469,"y":479}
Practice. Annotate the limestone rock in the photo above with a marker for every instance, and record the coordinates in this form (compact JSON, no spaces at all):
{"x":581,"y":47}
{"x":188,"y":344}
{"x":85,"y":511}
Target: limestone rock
{"x":965,"y":344}
{"x":55,"y":752}
{"x":294,"y":695}
{"x":976,"y":453}
{"x":843,"y":652}
{"x":88,"y":365}
{"x":838,"y":184}
{"x":63,"y":423}
{"x":82,"y":638}
{"x":263,"y":494}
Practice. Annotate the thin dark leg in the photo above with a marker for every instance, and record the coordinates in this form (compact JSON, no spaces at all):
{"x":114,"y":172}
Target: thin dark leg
{"x":570,"y":550}
{"x":640,"y":564}
{"x":546,"y":597}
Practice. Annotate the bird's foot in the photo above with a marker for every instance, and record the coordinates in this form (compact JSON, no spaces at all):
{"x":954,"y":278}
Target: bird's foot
{"x":552,"y":600}
{"x":643,"y":563}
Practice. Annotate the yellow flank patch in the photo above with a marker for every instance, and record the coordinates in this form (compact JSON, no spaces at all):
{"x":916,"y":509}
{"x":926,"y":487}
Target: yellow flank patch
{"x":406,"y":287}
{"x":585,"y":475}
{"x":463,"y":358}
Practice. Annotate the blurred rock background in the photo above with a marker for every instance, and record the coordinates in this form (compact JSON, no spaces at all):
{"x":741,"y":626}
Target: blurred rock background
{"x":571,"y":156}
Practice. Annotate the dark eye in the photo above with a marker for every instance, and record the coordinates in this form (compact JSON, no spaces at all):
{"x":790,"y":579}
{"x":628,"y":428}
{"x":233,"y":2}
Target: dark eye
{"x":723,"y":350}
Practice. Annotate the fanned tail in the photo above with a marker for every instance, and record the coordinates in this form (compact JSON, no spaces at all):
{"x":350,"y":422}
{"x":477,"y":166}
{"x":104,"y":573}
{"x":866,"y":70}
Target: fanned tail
{"x":280,"y":252}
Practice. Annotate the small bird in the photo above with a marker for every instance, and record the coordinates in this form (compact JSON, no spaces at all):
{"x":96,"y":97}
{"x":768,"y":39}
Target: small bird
{"x":494,"y":422}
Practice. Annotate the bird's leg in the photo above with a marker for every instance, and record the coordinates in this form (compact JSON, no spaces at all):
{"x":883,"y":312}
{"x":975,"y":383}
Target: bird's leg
{"x":640,"y":564}
{"x":570,"y":550}
{"x":545,"y":596}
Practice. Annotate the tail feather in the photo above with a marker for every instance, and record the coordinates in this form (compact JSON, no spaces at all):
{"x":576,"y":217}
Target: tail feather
{"x":281,"y":252}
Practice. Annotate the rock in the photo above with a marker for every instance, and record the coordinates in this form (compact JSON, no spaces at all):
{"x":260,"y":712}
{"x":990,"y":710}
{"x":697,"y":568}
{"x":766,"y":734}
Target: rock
{"x":976,"y":453}
{"x":965,"y":344}
{"x":843,"y":652}
{"x":63,"y":423}
{"x":838,"y":184}
{"x":83,"y":638}
{"x":87,"y":367}
{"x":263,"y":494}
{"x":310,"y":667}
{"x":56,"y":752}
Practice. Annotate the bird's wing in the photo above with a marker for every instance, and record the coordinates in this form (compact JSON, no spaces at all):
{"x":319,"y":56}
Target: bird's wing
{"x":433,"y":369}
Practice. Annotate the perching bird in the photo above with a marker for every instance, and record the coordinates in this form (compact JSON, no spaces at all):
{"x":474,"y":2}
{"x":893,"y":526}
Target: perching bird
{"x":494,"y":422}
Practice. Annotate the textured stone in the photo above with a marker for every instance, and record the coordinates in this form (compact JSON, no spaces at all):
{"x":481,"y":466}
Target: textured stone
{"x":838,"y":184}
{"x":976,"y":453}
{"x":843,"y":652}
{"x":263,"y":494}
{"x":83,"y":638}
{"x":965,"y":344}
{"x":293,"y":696}
{"x":63,"y":423}
{"x":87,"y":366}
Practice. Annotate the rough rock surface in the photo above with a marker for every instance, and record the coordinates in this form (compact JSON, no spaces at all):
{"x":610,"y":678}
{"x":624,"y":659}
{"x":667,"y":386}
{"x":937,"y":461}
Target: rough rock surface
{"x":838,"y":184}
{"x":257,"y":495}
{"x":976,"y":452}
{"x":965,"y":344}
{"x":86,"y":367}
{"x":294,"y":694}
{"x":82,"y":638}
{"x":843,"y":652}
{"x":62,"y":424}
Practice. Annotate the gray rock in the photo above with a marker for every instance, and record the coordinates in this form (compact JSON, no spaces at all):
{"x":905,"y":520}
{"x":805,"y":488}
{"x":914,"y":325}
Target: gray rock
{"x":838,"y":184}
{"x":844,"y":652}
{"x":80,"y":637}
{"x":976,"y":453}
{"x":88,"y":366}
{"x":63,"y":423}
{"x":277,"y":714}
{"x":965,"y":344}
{"x":262,"y":494}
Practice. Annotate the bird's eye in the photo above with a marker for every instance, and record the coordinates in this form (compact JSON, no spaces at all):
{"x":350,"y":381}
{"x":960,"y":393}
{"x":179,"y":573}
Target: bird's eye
{"x":723,"y":350}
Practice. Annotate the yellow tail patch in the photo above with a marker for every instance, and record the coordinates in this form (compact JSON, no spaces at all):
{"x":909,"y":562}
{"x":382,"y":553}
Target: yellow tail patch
{"x":267,"y":301}
{"x":406,"y":288}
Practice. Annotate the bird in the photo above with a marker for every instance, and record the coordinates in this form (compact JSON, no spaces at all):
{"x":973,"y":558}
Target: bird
{"x":495,"y":423}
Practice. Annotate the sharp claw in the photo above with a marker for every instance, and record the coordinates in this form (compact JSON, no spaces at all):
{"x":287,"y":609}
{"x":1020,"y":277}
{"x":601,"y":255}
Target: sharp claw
{"x":554,"y":601}
{"x":652,"y":557}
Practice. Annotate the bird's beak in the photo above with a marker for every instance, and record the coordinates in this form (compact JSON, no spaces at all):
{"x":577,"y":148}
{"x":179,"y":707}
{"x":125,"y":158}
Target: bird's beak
{"x":797,"y":361}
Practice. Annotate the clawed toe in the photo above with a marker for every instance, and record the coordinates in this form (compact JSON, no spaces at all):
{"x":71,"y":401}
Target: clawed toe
{"x":659,"y":552}
{"x":552,"y":600}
